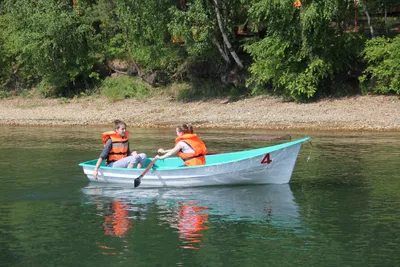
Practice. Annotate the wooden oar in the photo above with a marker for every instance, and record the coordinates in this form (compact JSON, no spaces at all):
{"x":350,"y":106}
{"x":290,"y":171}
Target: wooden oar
{"x":213,"y":152}
{"x":138,"y":180}
{"x":268,"y":138}
{"x":258,"y":138}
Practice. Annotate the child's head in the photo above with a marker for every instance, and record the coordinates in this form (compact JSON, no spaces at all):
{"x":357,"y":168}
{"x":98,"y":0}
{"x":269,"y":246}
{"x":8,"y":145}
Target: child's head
{"x":118,"y":124}
{"x":185,"y":128}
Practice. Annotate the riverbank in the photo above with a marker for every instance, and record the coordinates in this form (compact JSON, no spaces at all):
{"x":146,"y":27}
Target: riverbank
{"x":360,"y":113}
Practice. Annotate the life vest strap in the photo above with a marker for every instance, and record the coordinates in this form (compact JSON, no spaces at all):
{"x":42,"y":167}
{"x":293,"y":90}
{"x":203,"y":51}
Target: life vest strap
{"x":189,"y":158}
{"x":117,"y":153}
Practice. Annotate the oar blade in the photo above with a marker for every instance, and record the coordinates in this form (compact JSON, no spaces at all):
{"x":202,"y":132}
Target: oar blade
{"x":138,"y":181}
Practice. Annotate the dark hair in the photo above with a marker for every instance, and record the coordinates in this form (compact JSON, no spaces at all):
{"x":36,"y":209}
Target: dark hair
{"x":119,"y":123}
{"x":185,"y":128}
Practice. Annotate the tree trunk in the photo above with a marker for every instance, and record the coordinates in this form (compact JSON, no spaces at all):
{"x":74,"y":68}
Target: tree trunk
{"x":221,"y":51}
{"x":225,"y":37}
{"x":369,"y":23}
{"x":386,"y":25}
{"x":139,"y":71}
{"x":355,"y":17}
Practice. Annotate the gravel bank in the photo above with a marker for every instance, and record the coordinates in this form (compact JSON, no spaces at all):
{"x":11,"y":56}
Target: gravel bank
{"x":374,"y":113}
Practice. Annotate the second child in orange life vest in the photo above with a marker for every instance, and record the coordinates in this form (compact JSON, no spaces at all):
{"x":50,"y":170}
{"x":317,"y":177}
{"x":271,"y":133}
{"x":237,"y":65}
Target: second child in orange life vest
{"x":189,"y":147}
{"x":116,"y":150}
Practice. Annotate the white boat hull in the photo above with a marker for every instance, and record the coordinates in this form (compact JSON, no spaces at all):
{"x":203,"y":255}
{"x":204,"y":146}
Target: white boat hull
{"x":274,"y":166}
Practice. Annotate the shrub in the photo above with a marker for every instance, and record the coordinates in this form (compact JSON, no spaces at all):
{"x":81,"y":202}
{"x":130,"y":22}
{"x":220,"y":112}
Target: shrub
{"x":382,"y":74}
{"x":118,"y":88}
{"x":4,"y":94}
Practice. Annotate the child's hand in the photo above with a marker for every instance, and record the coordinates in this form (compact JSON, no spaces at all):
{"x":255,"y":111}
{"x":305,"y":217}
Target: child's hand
{"x":95,"y":173}
{"x":161,"y":151}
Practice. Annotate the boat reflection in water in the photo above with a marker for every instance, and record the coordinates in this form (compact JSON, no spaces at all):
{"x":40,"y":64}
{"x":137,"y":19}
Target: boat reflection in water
{"x":191,"y":210}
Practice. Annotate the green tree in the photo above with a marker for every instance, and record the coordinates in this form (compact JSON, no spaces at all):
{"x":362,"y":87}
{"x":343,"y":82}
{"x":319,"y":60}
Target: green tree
{"x":191,"y":26}
{"x":53,"y":43}
{"x":303,"y":48}
{"x":206,"y":29}
{"x":144,"y":26}
{"x":382,"y":74}
{"x":5,"y":59}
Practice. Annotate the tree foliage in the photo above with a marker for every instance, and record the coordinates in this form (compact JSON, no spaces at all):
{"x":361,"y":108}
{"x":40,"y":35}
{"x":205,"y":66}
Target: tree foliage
{"x":193,"y":26}
{"x":299,"y":52}
{"x":52,"y":42}
{"x":144,"y":25}
{"x":383,"y":71}
{"x":303,"y":48}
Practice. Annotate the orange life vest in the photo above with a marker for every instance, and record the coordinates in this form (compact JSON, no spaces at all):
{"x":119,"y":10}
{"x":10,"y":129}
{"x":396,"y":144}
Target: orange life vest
{"x":119,"y":147}
{"x":200,"y":150}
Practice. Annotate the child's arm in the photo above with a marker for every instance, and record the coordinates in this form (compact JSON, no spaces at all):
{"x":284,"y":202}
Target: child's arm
{"x":169,"y":152}
{"x":96,"y":169}
{"x":103,"y":155}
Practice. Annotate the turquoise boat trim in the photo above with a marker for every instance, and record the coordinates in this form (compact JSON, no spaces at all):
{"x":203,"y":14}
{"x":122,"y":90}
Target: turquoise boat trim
{"x":177,"y":163}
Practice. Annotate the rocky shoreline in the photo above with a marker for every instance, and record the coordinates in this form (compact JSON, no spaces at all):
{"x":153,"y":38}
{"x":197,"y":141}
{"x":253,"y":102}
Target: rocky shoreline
{"x":360,"y":113}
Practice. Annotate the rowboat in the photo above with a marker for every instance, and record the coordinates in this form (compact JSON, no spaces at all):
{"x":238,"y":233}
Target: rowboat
{"x":268,"y":165}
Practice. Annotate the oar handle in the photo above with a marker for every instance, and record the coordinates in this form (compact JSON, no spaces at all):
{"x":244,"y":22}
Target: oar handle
{"x":213,"y":152}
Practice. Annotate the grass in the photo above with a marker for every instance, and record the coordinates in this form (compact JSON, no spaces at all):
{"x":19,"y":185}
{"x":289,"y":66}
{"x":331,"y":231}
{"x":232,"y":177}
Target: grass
{"x":196,"y":90}
{"x":29,"y":106}
{"x":122,"y":87}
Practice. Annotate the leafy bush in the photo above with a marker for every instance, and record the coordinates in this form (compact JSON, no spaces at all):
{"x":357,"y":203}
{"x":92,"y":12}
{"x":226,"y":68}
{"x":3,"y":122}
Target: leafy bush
{"x":119,"y":88}
{"x":303,"y":49}
{"x":45,"y":89}
{"x":382,"y":74}
{"x":194,"y":27}
{"x":144,"y":24}
{"x":50,"y":43}
{"x":4,"y":94}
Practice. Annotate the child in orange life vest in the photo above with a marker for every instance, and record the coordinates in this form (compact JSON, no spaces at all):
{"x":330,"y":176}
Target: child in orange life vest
{"x":188,"y":146}
{"x":116,"y":150}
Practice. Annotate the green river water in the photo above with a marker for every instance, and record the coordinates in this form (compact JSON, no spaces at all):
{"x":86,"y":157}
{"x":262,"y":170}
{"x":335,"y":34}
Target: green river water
{"x":340,"y":209}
